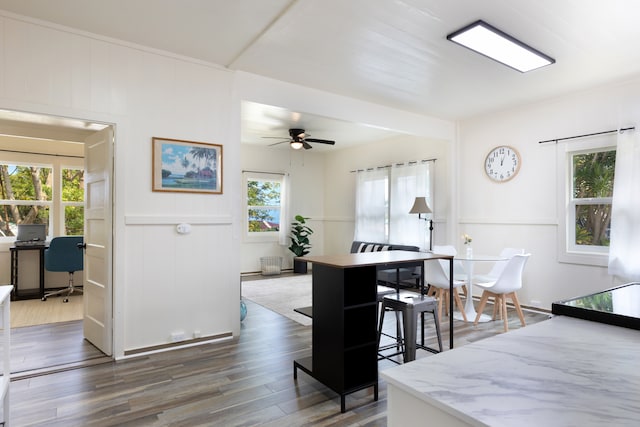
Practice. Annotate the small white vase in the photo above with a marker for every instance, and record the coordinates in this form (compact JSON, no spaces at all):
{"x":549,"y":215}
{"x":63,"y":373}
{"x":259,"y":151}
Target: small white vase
{"x":469,"y":251}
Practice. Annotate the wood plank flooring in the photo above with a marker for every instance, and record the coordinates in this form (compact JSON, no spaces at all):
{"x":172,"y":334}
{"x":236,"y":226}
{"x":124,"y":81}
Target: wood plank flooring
{"x":239,"y":382}
{"x":47,"y":336}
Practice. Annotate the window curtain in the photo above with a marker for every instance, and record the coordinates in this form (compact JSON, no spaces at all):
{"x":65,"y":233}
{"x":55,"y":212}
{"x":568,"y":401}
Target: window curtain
{"x":409,"y":181}
{"x":624,"y":249}
{"x":371,"y":205}
{"x":285,"y":211}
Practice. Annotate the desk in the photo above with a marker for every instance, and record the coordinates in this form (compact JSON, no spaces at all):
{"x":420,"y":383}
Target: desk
{"x":469,"y":309}
{"x":15,"y":251}
{"x":344,"y":353}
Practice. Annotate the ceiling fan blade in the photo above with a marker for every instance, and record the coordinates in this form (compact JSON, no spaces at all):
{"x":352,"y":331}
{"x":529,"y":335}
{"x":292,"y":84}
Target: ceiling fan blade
{"x":306,"y":145}
{"x":320,"y":141}
{"x":277,"y":143}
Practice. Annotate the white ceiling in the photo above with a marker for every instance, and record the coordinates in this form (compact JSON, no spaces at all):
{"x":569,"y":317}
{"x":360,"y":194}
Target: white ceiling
{"x":390,"y":52}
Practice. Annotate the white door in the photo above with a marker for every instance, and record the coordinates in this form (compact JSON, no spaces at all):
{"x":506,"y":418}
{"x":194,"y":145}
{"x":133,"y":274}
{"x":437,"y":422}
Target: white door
{"x":98,"y":289}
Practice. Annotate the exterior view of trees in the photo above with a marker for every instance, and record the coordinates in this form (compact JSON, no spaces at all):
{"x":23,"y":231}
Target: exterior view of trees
{"x":26,"y":197}
{"x":263,"y":201}
{"x":73,"y":191}
{"x":593,"y":177}
{"x":23,"y":183}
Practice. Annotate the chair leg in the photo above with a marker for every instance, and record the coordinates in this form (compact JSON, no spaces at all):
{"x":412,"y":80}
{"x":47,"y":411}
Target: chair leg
{"x":464,"y":290}
{"x":503,"y":309}
{"x":516,"y":304}
{"x":496,"y":307}
{"x":381,"y":322}
{"x":438,"y":296}
{"x":438,"y":335}
{"x":456,"y":296}
{"x":68,"y":290}
{"x":483,"y":302}
{"x":447,"y":296}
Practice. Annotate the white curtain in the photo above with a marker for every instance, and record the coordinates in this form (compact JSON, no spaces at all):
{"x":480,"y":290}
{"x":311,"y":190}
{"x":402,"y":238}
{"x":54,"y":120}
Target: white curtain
{"x":409,"y":181}
{"x":624,"y":249}
{"x":285,"y":212}
{"x":371,"y":205}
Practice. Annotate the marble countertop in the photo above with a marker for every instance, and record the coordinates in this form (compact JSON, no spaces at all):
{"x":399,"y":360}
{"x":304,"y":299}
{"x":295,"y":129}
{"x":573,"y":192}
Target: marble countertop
{"x":559,"y":372}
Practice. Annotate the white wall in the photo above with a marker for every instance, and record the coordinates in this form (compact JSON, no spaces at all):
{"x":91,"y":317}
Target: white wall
{"x":323,"y":189}
{"x":163,"y":282}
{"x":306,"y":172}
{"x":322,"y":184}
{"x":523,"y":212}
{"x":340,"y":184}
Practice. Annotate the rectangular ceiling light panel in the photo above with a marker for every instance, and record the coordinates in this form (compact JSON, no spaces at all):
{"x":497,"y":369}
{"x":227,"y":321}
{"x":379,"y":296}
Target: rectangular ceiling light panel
{"x":499,"y":46}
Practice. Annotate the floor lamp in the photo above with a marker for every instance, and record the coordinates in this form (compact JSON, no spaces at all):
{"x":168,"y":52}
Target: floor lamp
{"x":420,"y":207}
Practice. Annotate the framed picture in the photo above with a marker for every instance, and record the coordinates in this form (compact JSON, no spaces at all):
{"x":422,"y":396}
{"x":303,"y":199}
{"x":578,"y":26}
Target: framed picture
{"x":186,"y":166}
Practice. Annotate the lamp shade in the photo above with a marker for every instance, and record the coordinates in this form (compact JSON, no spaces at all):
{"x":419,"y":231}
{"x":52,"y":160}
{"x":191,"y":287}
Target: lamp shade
{"x":420,"y":206}
{"x":296,"y":145}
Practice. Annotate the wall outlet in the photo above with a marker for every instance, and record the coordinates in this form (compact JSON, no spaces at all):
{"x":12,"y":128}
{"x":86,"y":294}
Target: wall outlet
{"x":535,"y":303}
{"x":197,"y":333}
{"x":177,"y":336}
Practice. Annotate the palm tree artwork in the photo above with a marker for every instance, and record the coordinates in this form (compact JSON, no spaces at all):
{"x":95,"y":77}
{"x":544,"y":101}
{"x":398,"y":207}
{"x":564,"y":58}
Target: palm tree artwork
{"x":190,"y":166}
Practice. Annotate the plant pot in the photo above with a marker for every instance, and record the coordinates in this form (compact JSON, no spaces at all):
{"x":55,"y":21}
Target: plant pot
{"x":299,"y":266}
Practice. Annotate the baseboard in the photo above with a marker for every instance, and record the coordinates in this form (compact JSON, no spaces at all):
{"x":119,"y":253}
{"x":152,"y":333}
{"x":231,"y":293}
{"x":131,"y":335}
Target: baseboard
{"x":173,"y":345}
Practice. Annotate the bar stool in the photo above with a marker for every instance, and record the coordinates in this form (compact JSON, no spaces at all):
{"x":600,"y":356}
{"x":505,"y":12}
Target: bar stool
{"x":410,"y":305}
{"x":382,"y":292}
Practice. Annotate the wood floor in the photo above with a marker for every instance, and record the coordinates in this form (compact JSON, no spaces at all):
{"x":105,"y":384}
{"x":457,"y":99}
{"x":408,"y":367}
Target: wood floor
{"x":241,"y":382}
{"x":47,"y":336}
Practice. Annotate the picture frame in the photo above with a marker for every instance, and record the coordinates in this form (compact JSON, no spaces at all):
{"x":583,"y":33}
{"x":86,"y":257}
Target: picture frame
{"x":181,"y":166}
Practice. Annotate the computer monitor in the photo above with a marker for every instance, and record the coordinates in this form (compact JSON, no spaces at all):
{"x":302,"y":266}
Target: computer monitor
{"x":32,"y":232}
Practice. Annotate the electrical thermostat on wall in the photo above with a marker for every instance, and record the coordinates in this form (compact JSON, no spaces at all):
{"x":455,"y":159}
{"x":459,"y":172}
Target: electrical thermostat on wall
{"x":183,"y":228}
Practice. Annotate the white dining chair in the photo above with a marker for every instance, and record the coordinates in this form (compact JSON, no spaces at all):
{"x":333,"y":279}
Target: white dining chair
{"x":505,"y":286}
{"x":498,"y":266}
{"x":437,"y":277}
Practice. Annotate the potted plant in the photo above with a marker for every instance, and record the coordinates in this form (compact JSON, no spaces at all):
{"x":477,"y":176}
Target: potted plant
{"x":300,"y":244}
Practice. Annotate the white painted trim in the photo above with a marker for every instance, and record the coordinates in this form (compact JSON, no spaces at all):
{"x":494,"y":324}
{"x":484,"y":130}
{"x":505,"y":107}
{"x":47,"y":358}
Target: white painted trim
{"x":509,"y":221}
{"x":173,"y":220}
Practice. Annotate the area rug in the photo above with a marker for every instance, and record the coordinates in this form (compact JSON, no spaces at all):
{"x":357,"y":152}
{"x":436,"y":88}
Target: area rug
{"x":36,"y":312}
{"x":281,"y":295}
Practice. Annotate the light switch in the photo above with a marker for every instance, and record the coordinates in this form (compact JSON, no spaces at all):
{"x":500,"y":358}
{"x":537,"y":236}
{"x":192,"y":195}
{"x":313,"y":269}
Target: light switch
{"x":183,"y":228}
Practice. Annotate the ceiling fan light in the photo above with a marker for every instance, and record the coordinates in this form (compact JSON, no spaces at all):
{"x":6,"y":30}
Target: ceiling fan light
{"x":296,"y":145}
{"x":499,"y":46}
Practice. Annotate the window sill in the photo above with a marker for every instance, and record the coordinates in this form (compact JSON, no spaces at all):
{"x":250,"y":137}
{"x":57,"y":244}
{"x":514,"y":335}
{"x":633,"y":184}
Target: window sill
{"x":583,"y":258}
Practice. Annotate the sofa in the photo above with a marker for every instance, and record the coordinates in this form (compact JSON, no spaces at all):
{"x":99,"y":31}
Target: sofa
{"x":408,"y":275}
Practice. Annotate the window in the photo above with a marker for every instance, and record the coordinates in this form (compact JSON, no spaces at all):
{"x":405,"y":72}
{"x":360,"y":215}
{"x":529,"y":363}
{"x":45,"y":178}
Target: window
{"x":41,"y":194}
{"x":25,"y":196}
{"x":264,"y":204}
{"x":590,"y":172}
{"x":73,"y":201}
{"x":384,"y":197}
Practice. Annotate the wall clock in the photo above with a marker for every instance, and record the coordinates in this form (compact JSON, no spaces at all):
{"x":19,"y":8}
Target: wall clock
{"x":502,"y":163}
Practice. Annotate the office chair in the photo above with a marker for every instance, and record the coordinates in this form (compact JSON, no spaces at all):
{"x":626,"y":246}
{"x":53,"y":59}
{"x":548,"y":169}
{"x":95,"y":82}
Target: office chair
{"x":64,"y":254}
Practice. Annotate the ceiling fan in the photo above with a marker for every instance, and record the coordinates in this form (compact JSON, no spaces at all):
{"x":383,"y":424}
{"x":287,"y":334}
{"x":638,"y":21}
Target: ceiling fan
{"x":299,"y":140}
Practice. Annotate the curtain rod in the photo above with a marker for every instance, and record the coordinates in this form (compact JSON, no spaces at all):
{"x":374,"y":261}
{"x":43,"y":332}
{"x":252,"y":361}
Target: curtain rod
{"x":412,"y":162}
{"x":266,"y":173}
{"x":586,"y":135}
{"x":42,"y":154}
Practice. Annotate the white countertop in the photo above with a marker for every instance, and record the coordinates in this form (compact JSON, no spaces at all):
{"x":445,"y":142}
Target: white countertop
{"x":559,"y":372}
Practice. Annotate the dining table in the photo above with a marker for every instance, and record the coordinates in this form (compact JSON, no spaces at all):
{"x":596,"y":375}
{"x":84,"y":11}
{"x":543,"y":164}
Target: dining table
{"x":468,"y":261}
